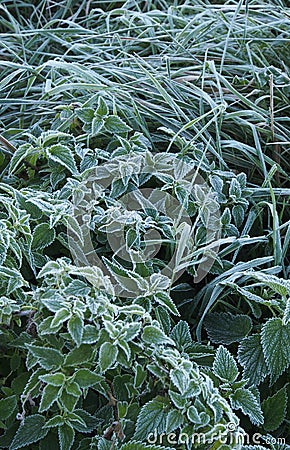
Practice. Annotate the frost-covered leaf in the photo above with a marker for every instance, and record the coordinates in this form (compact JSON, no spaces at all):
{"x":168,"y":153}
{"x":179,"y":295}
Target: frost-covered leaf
{"x":174,"y":420}
{"x":226,"y":328}
{"x":62,"y":155}
{"x":251,"y":357}
{"x":274,"y":409}
{"x":7,"y":406}
{"x":152,"y":417}
{"x":275,"y":339}
{"x":246,"y":401}
{"x":164,"y":299}
{"x":108,"y":355}
{"x":49,"y":396}
{"x":116,"y":125}
{"x":224,"y":366}
{"x":154,"y":335}
{"x":66,"y":437}
{"x":75,"y":328}
{"x":181,"y":335}
{"x":42,"y":236}
{"x":32,"y":430}
{"x":48,"y":358}
{"x":86,"y":378}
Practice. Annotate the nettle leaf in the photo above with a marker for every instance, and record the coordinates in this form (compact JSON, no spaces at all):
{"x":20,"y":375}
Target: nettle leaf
{"x":224,"y":366}
{"x":245,"y":400}
{"x":47,"y":358}
{"x":97,"y":125}
{"x":140,"y":375}
{"x":152,"y":417}
{"x":164,"y":300}
{"x":274,"y":410}
{"x":286,"y":317}
{"x":32,"y":430}
{"x":7,"y":406}
{"x":86,"y":115}
{"x":90,"y":334}
{"x":181,"y":335}
{"x":49,"y":396}
{"x":174,"y":420}
{"x":55,"y":379}
{"x":66,"y":435}
{"x":278,"y":285}
{"x":79,"y":355}
{"x":180,"y":379}
{"x":62,"y":155}
{"x":55,"y":421}
{"x":226,"y":328}
{"x":75,"y":328}
{"x":251,"y":357}
{"x":86,"y":378}
{"x":116,"y":125}
{"x":42,"y":236}
{"x":153,"y":335}
{"x":275,"y":339}
{"x":108,"y":356}
{"x":86,"y":423}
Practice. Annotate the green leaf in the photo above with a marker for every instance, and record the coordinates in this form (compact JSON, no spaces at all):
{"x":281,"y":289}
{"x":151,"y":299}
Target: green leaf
{"x":140,"y":375}
{"x":164,"y":299}
{"x":226,"y":328}
{"x":87,"y":422}
{"x":79,"y":355}
{"x":286,"y":317}
{"x":86,"y":115}
{"x":55,"y":379}
{"x":152,"y":417}
{"x":155,"y":336}
{"x":278,"y":285}
{"x":275,"y":339}
{"x":174,"y":420}
{"x":7,"y":406}
{"x":47,"y":358}
{"x":55,"y":421}
{"x":42,"y":236}
{"x":251,"y":357}
{"x":274,"y":409}
{"x":86,"y":378}
{"x":224,"y":366}
{"x":49,"y":396}
{"x":108,"y":355}
{"x":245,"y":400}
{"x":116,"y":125}
{"x":69,"y":401}
{"x":32,"y":430}
{"x":180,"y":379}
{"x":181,"y":335}
{"x":76,"y":328}
{"x":66,"y":436}
{"x":97,"y":125}
{"x":62,"y":155}
{"x":91,"y":334}
{"x":102,"y":109}
{"x":61,"y":316}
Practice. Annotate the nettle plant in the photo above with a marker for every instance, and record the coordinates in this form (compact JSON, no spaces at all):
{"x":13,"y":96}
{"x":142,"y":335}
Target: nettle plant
{"x":99,"y":367}
{"x":99,"y":355}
